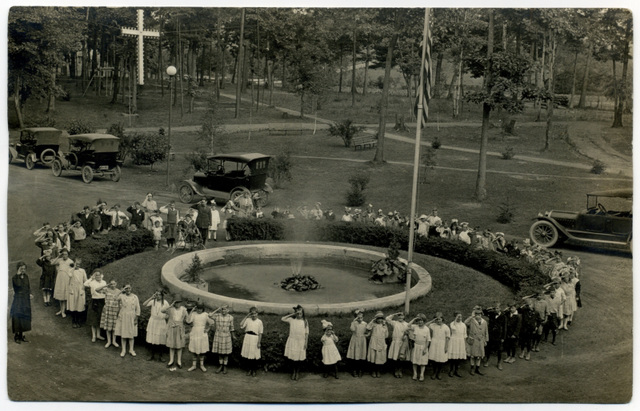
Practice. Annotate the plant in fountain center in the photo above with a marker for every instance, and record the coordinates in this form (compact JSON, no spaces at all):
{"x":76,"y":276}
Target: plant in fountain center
{"x":192,"y":274}
{"x":297,"y":281}
{"x":389,"y":269}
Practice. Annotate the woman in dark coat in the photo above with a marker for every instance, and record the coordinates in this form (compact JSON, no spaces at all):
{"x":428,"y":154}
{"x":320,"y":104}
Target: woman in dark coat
{"x":21,"y":306}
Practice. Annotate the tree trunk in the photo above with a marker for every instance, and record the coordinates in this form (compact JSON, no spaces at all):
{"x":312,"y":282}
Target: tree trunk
{"x":457,"y":90}
{"x":51,"y":106}
{"x":366,"y":73}
{"x":481,"y":180}
{"x":540,"y":77}
{"x":585,"y":80}
{"x":384,"y":99}
{"x":16,"y":102}
{"x":354,"y":91}
{"x":340,"y":80}
{"x":134,"y":86}
{"x":438,"y":80}
{"x":573,"y":79}
{"x":161,"y":69}
{"x":552,"y":63}
{"x":116,"y":79}
{"x":622,"y":93}
{"x":240,"y":61}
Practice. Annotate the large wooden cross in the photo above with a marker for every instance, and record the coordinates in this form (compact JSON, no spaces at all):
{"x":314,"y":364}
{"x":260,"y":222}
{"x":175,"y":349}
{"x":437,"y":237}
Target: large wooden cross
{"x":140,"y":33}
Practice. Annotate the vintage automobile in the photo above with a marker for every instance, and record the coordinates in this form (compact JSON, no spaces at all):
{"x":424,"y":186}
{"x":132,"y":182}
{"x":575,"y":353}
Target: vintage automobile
{"x":597,"y":225}
{"x":37,"y":145}
{"x":91,"y":154}
{"x":230,"y":176}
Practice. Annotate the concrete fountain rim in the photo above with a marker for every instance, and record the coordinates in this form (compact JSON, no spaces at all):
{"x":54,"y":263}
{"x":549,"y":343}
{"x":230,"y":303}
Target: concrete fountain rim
{"x":172,"y":282}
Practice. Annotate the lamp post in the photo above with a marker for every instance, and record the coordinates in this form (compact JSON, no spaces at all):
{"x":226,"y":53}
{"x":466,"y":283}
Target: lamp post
{"x":171,"y":71}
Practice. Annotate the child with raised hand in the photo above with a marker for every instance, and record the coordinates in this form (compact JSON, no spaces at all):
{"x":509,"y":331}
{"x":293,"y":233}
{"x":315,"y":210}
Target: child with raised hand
{"x":357,"y":351}
{"x":251,"y":344}
{"x":330,"y":354}
{"x":176,"y":316}
{"x":421,"y":335}
{"x":198,"y":337}
{"x":377,"y":354}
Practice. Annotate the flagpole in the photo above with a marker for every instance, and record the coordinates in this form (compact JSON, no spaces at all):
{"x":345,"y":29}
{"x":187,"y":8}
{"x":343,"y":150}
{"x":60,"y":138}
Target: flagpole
{"x":416,"y":162}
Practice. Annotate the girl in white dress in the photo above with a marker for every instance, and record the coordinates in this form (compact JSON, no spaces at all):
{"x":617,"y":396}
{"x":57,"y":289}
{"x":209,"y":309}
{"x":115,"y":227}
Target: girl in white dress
{"x":457,"y":347}
{"x":64,"y":271}
{"x":330,"y":354}
{"x":157,"y":326}
{"x":198,"y":337}
{"x":215,"y":221}
{"x":357,"y":350}
{"x":438,"y":350}
{"x":398,"y":346}
{"x":296,"y":347}
{"x":421,"y":336}
{"x":377,"y":354}
{"x":253,"y":330}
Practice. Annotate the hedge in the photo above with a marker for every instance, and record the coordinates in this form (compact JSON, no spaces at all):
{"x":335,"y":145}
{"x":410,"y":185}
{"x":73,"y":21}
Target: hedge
{"x":97,"y":252}
{"x":521,"y":276}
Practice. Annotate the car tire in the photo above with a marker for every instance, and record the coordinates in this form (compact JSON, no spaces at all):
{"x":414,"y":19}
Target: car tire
{"x":185,"y":193}
{"x":116,"y":173}
{"x":72,"y":158}
{"x":29,"y":162}
{"x":87,"y":174}
{"x":237,"y":193}
{"x":544,"y":233}
{"x":10,"y":157}
{"x":47,"y":156}
{"x":56,"y":167}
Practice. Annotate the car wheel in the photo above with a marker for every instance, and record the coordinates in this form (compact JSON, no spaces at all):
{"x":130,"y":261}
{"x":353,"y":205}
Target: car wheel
{"x":73,"y":161}
{"x":47,"y":156}
{"x":186,"y":193}
{"x":543,"y":233}
{"x":56,"y":167}
{"x":115,"y":174}
{"x":10,"y":157}
{"x":87,"y":174}
{"x":236,"y":193}
{"x":29,"y":161}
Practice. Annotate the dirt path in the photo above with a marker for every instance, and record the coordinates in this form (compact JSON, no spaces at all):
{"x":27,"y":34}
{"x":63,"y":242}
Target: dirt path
{"x":592,"y":363}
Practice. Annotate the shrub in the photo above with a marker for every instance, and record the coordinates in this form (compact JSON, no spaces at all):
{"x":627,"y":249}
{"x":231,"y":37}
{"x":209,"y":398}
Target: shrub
{"x":355,"y":196}
{"x":80,"y":127}
{"x":508,"y":153}
{"x":149,"y":149}
{"x":436,"y":143}
{"x":507,"y":212}
{"x":345,"y":130}
{"x":598,"y":167}
{"x":197,"y":160}
{"x":280,"y":168}
{"x":192,"y":273}
{"x":117,"y":244}
{"x":428,"y":161}
{"x":246,"y":229}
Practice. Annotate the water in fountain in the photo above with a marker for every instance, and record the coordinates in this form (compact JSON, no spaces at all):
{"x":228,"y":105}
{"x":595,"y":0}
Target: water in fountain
{"x":296,"y":266}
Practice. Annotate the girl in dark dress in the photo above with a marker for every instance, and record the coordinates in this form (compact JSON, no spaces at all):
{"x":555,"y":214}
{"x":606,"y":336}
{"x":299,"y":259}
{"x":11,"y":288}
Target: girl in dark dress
{"x":48,"y":277}
{"x":21,"y":306}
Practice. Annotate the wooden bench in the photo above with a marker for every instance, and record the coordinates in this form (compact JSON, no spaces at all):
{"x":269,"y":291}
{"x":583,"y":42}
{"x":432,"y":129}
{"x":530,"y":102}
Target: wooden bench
{"x":363,"y":142}
{"x":284,"y":129}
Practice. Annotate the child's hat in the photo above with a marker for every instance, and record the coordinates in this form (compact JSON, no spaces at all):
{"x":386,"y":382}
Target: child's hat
{"x":326,"y":324}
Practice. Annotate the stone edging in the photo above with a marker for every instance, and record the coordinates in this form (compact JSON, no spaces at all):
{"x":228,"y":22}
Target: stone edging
{"x":213,"y":255}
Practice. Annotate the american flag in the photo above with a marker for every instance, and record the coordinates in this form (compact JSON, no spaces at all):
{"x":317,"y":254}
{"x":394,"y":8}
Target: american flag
{"x":425,"y":75}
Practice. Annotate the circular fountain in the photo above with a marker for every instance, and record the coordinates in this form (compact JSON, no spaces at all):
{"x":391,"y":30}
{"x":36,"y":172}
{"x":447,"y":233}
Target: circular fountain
{"x":244,"y":276}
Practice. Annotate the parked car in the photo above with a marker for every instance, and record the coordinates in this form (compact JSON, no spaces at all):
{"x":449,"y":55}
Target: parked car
{"x":599,"y":225}
{"x":230,"y":176}
{"x":91,"y":155}
{"x":37,"y":145}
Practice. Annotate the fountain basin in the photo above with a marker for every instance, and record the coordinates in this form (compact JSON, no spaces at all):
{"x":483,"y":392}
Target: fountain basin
{"x":273,"y":253}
